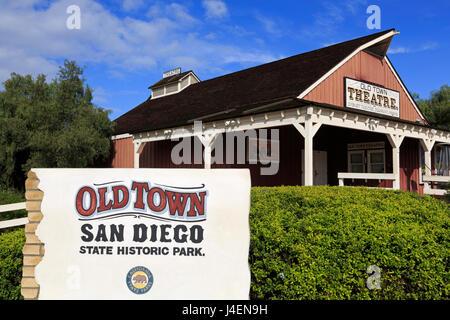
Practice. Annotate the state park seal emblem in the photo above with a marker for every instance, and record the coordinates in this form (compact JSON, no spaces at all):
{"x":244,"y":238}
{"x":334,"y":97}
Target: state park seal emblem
{"x":139,"y":280}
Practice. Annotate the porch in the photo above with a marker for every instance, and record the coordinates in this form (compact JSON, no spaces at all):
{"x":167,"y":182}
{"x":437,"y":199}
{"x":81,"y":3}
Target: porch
{"x":317,"y":145}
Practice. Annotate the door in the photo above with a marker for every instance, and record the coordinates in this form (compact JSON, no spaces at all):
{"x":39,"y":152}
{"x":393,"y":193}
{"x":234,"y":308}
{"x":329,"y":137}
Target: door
{"x":320,"y":167}
{"x":320,"y":177}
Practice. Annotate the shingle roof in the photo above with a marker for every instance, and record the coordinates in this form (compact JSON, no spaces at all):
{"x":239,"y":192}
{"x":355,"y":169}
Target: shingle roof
{"x":239,"y":92}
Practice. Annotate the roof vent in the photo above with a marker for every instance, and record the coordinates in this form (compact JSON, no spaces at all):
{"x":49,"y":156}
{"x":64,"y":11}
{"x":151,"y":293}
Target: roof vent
{"x":173,"y":81}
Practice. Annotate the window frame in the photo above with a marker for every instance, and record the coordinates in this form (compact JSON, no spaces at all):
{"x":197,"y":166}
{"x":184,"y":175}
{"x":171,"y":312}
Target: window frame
{"x":349,"y":163}
{"x":438,"y":149}
{"x":369,"y":163}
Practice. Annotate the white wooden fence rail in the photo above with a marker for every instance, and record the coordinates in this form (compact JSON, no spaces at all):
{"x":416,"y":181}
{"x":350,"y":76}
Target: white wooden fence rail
{"x":441,"y":179}
{"x":435,"y":179}
{"x":364,"y":176}
{"x":391,"y":176}
{"x":12,"y":222}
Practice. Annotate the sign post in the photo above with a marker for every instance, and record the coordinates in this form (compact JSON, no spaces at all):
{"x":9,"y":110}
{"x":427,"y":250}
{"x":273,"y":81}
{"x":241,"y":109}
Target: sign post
{"x":137,"y":234}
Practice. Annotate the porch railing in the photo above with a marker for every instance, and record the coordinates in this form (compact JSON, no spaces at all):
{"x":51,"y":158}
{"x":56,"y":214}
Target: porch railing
{"x":435,"y":180}
{"x":364,"y":176}
{"x":12,"y":222}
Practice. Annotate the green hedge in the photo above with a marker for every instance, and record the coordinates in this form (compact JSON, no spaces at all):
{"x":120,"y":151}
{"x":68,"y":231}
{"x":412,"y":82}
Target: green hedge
{"x":11,"y":245}
{"x":317,"y":243}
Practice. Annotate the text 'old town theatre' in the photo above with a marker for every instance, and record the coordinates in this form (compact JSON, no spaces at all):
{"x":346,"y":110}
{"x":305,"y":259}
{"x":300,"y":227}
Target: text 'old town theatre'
{"x":340,"y":115}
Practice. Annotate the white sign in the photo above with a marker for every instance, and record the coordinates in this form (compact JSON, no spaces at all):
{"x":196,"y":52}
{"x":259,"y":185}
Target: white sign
{"x":171,"y":73}
{"x":372,"y":98}
{"x":144,"y":234}
{"x":365,"y":145}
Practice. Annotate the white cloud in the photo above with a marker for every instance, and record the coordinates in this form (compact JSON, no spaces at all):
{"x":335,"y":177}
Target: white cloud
{"x":19,"y":61}
{"x":425,"y":47}
{"x":210,"y":36}
{"x":100,"y":95}
{"x":269,"y":25}
{"x":33,"y":41}
{"x":249,"y":57}
{"x":398,"y":50}
{"x":181,"y":13}
{"x":354,"y":6}
{"x":131,"y":5}
{"x":332,"y":14}
{"x":429,"y":46}
{"x":215,"y":8}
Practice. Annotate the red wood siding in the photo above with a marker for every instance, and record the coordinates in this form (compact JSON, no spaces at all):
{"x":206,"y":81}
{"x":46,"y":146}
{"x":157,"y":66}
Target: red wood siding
{"x":157,"y":154}
{"x":409,"y":166}
{"x":123,"y":153}
{"x":365,"y":67}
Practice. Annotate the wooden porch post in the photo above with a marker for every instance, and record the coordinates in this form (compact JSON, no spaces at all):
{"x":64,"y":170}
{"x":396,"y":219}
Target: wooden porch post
{"x":138,"y":146}
{"x":308,"y":132}
{"x":427,"y":145}
{"x":207,"y":141}
{"x":308,"y":153}
{"x":396,"y":141}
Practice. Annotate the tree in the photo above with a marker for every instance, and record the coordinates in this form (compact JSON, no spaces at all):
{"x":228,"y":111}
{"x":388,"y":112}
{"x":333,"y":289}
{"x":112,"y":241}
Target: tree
{"x":46,"y":125}
{"x":436,"y":109}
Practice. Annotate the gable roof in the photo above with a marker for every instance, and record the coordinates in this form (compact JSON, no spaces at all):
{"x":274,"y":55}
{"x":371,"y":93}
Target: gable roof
{"x":244,"y":91}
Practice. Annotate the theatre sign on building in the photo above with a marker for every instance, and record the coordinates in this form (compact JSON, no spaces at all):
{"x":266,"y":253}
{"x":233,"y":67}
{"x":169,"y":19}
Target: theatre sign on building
{"x":340,"y":115}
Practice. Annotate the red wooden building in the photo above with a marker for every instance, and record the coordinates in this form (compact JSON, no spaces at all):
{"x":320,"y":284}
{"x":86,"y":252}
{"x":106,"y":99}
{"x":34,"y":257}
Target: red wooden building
{"x":342,"y":115}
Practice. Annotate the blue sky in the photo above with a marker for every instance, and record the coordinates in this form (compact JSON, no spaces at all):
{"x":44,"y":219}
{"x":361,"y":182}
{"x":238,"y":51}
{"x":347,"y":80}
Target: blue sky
{"x":126,"y":45}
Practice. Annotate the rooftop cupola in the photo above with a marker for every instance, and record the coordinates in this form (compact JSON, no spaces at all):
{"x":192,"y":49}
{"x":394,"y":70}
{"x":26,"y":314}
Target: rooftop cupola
{"x":173,"y":81}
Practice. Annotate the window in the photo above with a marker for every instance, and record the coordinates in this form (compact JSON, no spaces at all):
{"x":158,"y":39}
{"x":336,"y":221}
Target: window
{"x":366,"y":157}
{"x":376,"y":161}
{"x":356,"y":161}
{"x":442,"y":160}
